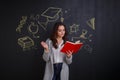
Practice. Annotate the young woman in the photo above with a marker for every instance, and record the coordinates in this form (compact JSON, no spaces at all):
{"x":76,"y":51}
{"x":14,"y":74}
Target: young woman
{"x":56,"y":62}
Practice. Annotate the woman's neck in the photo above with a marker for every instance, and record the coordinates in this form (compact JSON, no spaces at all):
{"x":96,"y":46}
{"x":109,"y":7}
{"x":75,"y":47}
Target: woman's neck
{"x":59,"y":40}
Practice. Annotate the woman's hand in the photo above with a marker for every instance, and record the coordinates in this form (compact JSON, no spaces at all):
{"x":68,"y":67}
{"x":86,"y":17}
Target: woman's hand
{"x":45,"y":46}
{"x":69,"y":53}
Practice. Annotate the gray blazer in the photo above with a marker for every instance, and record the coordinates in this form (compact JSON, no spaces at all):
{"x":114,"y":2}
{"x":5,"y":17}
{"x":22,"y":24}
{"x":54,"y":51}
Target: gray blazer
{"x":48,"y":58}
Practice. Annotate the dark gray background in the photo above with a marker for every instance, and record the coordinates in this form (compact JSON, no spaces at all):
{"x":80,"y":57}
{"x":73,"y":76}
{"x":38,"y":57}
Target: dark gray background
{"x":102,"y":64}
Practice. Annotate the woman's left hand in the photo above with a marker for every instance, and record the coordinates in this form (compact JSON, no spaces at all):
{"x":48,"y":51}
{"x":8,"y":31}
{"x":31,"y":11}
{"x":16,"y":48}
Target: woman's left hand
{"x":69,"y":53}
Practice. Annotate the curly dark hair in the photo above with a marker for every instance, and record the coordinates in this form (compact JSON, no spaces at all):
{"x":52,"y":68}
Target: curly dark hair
{"x":54,"y":33}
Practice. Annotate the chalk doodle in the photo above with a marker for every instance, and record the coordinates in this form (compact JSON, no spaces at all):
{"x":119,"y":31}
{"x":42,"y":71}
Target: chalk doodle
{"x":83,"y":35}
{"x":74,"y":28}
{"x":36,"y":22}
{"x":91,"y":23}
{"x":33,"y":29}
{"x":25,"y":42}
{"x":88,"y":48}
{"x":51,"y":14}
{"x":22,"y":22}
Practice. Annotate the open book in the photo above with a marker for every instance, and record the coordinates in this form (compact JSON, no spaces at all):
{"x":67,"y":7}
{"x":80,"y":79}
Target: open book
{"x":75,"y":47}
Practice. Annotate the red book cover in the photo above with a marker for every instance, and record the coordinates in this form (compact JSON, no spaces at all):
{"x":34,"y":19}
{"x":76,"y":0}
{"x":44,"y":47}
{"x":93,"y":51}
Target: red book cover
{"x":75,"y":47}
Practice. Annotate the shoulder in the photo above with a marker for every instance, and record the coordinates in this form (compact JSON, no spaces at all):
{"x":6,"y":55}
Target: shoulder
{"x":48,"y":40}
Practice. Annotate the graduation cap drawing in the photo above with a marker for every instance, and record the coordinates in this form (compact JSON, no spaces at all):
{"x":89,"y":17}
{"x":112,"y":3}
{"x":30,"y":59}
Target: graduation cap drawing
{"x":51,"y":14}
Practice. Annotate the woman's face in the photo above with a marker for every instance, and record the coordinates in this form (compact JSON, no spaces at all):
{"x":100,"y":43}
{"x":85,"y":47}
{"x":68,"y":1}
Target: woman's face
{"x":61,"y":31}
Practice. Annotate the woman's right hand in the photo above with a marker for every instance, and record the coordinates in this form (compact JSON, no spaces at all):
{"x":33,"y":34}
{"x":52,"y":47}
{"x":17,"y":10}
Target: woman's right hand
{"x":44,"y":45}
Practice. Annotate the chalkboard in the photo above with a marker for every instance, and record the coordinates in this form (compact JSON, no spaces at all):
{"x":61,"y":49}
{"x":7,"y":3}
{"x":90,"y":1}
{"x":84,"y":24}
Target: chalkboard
{"x":26,"y":23}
